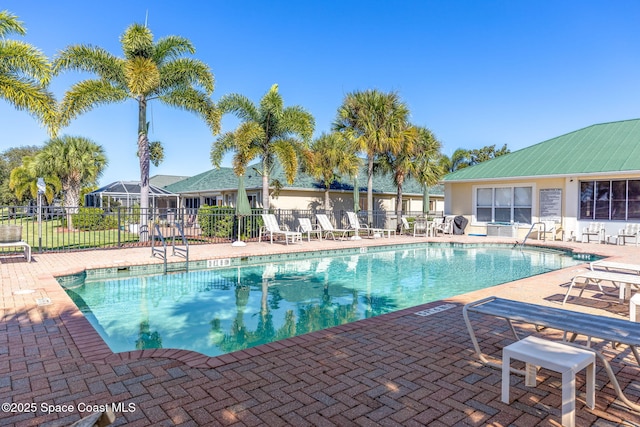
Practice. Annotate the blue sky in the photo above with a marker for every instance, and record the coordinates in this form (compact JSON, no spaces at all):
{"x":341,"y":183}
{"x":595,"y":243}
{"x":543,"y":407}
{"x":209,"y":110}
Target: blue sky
{"x":475,"y":72}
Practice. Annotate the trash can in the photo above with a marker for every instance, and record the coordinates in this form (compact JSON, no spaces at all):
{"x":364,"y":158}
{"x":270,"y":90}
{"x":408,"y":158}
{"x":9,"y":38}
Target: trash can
{"x":459,"y":224}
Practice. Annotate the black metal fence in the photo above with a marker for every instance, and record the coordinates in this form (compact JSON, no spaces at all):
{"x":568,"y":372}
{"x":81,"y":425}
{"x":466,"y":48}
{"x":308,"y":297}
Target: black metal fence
{"x":53,"y":229}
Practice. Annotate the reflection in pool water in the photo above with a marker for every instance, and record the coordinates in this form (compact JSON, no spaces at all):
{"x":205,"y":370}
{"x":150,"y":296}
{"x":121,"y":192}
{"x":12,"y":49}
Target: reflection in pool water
{"x":224,"y":310}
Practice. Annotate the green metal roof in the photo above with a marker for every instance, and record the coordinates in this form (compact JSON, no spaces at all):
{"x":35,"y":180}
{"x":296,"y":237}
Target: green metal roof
{"x":606,"y":147}
{"x":225,"y":179}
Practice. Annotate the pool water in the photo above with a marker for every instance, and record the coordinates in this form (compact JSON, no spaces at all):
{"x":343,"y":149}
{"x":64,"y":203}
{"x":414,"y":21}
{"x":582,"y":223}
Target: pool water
{"x":227,"y":309}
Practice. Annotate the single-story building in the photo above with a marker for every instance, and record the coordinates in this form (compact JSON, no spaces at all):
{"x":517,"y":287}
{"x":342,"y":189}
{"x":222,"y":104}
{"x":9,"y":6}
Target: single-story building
{"x":127,"y":194}
{"x":218,"y":187}
{"x":586,"y":176}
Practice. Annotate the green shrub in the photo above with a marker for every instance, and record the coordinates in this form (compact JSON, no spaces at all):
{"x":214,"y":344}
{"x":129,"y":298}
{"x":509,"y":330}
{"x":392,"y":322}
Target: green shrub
{"x":93,"y":219}
{"x":216,"y":221}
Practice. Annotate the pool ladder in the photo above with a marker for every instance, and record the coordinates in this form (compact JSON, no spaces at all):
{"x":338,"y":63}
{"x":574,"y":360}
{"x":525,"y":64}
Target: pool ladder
{"x":544,"y":233}
{"x":161,"y":251}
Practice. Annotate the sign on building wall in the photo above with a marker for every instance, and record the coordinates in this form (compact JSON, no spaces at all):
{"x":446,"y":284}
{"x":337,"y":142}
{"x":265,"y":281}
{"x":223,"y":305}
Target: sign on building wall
{"x":551,"y":204}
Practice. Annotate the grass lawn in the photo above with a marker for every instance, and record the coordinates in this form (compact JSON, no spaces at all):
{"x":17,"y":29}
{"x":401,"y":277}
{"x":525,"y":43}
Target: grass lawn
{"x":56,"y":237}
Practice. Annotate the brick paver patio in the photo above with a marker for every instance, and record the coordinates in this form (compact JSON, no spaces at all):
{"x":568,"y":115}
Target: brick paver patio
{"x":398,"y":369}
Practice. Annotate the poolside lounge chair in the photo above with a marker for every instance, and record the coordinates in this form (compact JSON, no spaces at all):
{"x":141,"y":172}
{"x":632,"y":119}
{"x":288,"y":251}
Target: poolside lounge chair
{"x":610,"y":329}
{"x":621,"y":267}
{"x":307,"y":228}
{"x":11,"y":237}
{"x":630,"y":231}
{"x":405,"y":226}
{"x":272,"y":228}
{"x":354,"y":223}
{"x":619,"y":280}
{"x":593,"y":229}
{"x":329,"y":230}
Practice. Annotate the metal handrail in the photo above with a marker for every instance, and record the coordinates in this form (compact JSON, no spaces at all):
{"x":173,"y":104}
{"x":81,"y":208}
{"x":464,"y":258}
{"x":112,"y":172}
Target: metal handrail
{"x":544,"y":232}
{"x":159,"y":252}
{"x":179,"y":251}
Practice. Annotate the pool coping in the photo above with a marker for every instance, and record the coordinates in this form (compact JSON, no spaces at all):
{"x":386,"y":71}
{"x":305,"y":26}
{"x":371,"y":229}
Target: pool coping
{"x":94,"y":349}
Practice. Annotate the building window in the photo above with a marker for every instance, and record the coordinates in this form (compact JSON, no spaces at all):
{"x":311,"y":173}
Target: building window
{"x":610,"y":200}
{"x":504,"y":204}
{"x":192,"y":202}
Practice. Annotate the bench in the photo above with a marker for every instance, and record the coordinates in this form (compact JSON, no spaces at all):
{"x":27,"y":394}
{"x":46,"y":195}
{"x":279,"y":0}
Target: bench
{"x":621,"y":281}
{"x":610,"y":329}
{"x":11,"y":237}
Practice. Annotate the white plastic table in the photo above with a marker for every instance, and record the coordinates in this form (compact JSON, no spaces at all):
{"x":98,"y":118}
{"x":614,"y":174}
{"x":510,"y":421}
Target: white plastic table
{"x":562,"y":358}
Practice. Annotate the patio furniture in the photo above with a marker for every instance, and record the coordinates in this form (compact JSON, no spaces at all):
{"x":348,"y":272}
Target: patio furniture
{"x":272,"y":228}
{"x":444,"y":225}
{"x":550,"y":228}
{"x":329,"y":230}
{"x":11,"y":237}
{"x":593,"y":229}
{"x":405,"y":225}
{"x":308,"y":228}
{"x":614,"y":330}
{"x":630,"y":231}
{"x":615,"y":266}
{"x":633,"y":307}
{"x":562,"y":358}
{"x":621,"y":281}
{"x":354,"y":223}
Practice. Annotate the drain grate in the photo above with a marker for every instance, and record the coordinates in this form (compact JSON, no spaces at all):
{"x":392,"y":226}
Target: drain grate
{"x":434,"y":310}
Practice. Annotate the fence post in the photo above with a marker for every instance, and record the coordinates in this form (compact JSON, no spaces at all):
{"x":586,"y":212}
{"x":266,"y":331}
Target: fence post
{"x":119,"y":227}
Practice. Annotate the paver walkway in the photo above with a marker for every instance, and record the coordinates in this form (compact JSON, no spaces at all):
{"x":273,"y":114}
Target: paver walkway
{"x":397,"y":369}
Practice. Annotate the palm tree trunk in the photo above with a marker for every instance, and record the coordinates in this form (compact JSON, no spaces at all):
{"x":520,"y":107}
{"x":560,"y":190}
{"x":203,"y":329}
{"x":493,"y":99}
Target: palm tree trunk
{"x":265,"y":188}
{"x":370,"y":191}
{"x":143,"y":156}
{"x":327,"y":199}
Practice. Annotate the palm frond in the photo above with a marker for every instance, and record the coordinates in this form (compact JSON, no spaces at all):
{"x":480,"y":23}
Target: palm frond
{"x":240,"y":105}
{"x":187,"y":72}
{"x":9,"y":24}
{"x":85,"y":95}
{"x":24,"y":60}
{"x":287,"y":155}
{"x":31,"y":97}
{"x":91,"y":59}
{"x":195,"y":101}
{"x":221,"y":146}
{"x":171,"y":48}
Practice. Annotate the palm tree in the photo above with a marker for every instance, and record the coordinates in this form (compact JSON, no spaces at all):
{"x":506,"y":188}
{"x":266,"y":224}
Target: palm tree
{"x":147,"y":72}
{"x":24,"y":74}
{"x":460,"y":159}
{"x":268,"y":131}
{"x":374,"y":122}
{"x":400,"y":163}
{"x":330,"y":156}
{"x":24,"y":179}
{"x":427,"y":165}
{"x":76,"y":161}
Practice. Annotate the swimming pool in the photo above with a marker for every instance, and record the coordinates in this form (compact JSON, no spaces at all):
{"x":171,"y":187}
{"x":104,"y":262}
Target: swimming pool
{"x":222,"y":310}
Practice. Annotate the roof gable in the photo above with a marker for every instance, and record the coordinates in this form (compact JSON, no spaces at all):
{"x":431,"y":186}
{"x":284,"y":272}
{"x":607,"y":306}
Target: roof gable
{"x":607,"y":147}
